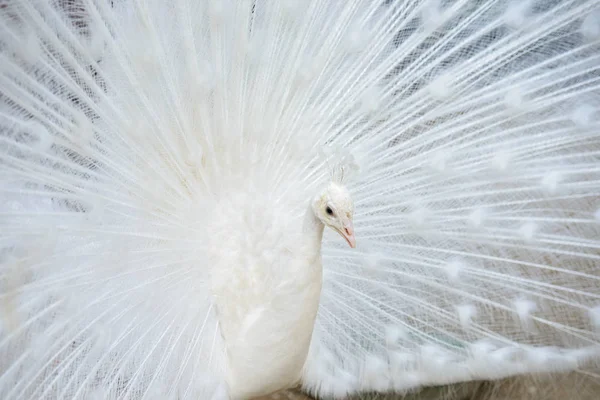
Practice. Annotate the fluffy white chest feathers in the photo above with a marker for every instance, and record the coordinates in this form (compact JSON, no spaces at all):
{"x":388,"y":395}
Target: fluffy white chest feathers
{"x":266,"y":281}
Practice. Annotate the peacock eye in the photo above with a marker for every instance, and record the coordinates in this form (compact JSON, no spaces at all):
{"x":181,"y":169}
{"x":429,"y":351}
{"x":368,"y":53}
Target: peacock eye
{"x":329,"y":211}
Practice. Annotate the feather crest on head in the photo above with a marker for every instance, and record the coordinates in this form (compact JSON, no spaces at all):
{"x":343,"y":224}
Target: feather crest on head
{"x":341,"y":164}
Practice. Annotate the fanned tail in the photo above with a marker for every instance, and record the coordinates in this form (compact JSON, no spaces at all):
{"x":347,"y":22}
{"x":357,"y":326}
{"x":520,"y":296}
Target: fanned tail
{"x":468,"y":129}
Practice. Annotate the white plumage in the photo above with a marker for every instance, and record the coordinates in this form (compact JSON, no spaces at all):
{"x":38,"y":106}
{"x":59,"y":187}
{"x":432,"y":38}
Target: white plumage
{"x":167,"y":168}
{"x":266,"y":278}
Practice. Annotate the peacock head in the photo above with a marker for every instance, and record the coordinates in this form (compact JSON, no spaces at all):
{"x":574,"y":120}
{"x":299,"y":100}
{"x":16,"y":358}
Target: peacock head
{"x":334,"y":208}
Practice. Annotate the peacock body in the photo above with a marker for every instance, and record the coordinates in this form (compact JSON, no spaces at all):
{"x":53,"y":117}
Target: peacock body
{"x":165,"y":166}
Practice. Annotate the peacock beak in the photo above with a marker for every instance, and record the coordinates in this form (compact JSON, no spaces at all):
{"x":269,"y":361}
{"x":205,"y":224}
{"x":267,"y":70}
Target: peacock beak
{"x":348,"y":233}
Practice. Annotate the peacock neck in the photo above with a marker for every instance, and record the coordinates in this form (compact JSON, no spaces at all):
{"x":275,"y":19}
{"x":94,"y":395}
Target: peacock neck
{"x":313,"y":229}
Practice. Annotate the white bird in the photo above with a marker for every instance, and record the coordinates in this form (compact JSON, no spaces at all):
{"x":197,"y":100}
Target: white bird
{"x":266,"y":283}
{"x":167,"y":170}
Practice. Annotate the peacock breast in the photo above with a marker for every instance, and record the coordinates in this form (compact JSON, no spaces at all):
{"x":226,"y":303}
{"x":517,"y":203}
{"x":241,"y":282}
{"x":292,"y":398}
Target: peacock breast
{"x":266,"y":282}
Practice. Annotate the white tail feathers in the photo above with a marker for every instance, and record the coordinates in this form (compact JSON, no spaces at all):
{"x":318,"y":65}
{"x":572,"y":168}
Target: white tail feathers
{"x":466,"y":131}
{"x":590,"y":28}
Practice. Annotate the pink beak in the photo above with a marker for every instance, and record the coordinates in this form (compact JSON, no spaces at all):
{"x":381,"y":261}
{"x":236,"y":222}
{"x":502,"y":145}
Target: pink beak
{"x":348,"y":234}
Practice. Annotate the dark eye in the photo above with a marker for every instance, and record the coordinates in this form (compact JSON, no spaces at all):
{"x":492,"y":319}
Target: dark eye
{"x":329,"y":211}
